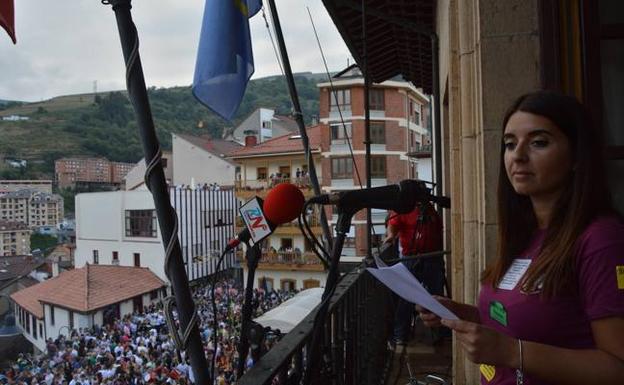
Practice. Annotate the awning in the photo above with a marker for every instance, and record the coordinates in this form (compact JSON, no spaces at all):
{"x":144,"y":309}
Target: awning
{"x":399,"y":37}
{"x":287,"y":315}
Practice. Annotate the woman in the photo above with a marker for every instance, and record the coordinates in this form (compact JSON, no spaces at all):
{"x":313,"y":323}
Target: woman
{"x":551,"y":307}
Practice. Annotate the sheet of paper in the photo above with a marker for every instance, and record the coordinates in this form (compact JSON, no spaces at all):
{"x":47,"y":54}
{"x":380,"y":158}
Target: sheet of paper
{"x":378,"y":261}
{"x":398,"y":279}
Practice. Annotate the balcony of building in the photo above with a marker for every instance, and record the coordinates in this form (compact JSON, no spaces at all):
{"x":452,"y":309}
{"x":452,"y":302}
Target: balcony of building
{"x":285,"y":260}
{"x":248,"y":188}
{"x":355,"y":333}
{"x":420,"y":151}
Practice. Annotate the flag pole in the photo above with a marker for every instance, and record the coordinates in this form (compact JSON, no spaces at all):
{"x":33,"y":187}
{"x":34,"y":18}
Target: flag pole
{"x":299,"y":116}
{"x":189,"y":339}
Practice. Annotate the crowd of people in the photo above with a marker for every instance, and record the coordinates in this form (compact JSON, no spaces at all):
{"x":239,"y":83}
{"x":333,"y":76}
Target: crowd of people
{"x":138,"y":349}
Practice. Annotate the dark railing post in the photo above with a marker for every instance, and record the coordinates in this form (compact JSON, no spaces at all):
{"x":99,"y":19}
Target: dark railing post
{"x":155,"y":181}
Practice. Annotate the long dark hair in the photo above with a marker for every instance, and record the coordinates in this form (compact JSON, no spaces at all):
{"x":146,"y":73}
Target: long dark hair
{"x":585,"y":196}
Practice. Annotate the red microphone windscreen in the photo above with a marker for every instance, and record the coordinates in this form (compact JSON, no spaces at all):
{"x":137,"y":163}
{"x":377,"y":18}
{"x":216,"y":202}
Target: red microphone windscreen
{"x":283,"y":203}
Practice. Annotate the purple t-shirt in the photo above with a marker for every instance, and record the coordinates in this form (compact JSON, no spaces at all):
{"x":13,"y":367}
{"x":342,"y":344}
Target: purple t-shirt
{"x":563,"y":321}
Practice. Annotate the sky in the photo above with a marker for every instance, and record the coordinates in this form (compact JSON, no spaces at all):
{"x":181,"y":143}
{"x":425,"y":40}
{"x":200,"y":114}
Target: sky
{"x":64,"y":46}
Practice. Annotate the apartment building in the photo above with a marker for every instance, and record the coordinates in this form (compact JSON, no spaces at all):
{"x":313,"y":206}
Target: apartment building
{"x":14,"y":238}
{"x":99,"y":171}
{"x":31,"y":207}
{"x":398,"y":133}
{"x":287,"y":260}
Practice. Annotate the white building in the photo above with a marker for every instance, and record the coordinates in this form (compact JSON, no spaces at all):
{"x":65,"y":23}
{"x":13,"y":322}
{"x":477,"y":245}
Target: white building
{"x":82,"y":298}
{"x":263,"y":124}
{"x":121,"y":227}
{"x":200,"y":160}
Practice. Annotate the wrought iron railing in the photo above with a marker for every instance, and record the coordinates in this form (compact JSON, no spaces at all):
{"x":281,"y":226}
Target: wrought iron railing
{"x":302,"y":182}
{"x":290,"y":257}
{"x":355,"y":334}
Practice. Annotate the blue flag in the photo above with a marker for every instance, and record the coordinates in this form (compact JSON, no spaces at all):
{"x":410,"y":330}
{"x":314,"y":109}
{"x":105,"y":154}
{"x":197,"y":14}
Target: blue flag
{"x":224,"y":58}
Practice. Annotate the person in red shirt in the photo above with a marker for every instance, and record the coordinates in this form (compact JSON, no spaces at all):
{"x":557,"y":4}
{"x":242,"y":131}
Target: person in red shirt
{"x":419,"y":231}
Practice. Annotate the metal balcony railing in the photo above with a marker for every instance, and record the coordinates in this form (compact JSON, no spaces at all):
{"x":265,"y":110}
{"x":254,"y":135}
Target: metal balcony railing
{"x":356,"y":329}
{"x":290,"y":257}
{"x":302,"y":182}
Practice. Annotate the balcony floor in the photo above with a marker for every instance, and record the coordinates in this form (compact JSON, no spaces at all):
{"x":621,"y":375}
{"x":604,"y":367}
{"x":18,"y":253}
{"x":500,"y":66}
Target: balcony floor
{"x":424,"y":358}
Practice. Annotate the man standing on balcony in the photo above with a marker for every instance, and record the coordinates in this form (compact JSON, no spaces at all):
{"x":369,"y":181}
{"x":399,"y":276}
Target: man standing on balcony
{"x":419,"y":231}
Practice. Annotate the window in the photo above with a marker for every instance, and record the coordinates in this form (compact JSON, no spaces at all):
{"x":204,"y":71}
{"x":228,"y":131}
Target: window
{"x":115,"y":257}
{"x":141,"y":223}
{"x":137,"y":260}
{"x":284,"y":171}
{"x":261,"y":172}
{"x":265,"y":283}
{"x":378,"y":132}
{"x":341,"y":168}
{"x":288,"y":284}
{"x":376,"y":99}
{"x":415,"y":112}
{"x":41,"y":330}
{"x":52,"y":315}
{"x":96,"y":257}
{"x":338,"y":134}
{"x":266,"y":124}
{"x":27,"y":319}
{"x":340,"y":99}
{"x":154,"y":294}
{"x":71,"y":322}
{"x":378,"y":166}
{"x":34,"y":326}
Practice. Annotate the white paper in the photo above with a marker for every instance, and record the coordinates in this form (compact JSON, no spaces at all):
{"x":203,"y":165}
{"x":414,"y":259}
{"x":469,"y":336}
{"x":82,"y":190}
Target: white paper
{"x":398,"y":279}
{"x":515,"y":272}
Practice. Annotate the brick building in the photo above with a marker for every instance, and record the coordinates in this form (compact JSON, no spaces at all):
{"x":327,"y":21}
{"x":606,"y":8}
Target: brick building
{"x":31,"y":207}
{"x":14,"y":238}
{"x":69,"y":171}
{"x":398,"y":121}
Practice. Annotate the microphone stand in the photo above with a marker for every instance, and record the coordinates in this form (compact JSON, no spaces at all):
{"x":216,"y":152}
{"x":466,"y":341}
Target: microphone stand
{"x":343,"y":225}
{"x":252,"y":255}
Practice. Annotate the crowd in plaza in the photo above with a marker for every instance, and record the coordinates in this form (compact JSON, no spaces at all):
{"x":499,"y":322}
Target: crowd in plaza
{"x":138,"y":349}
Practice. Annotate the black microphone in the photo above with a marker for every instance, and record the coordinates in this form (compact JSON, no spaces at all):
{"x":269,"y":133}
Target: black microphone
{"x":401,"y":198}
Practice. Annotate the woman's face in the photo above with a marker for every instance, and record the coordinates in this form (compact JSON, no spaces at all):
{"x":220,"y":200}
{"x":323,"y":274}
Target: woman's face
{"x":538,"y":156}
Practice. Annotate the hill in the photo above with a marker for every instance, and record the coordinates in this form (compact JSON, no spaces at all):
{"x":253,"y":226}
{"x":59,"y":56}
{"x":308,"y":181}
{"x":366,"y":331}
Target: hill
{"x":105,"y":125}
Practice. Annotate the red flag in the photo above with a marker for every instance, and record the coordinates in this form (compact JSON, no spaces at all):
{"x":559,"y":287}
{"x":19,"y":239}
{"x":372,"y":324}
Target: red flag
{"x":7,"y":18}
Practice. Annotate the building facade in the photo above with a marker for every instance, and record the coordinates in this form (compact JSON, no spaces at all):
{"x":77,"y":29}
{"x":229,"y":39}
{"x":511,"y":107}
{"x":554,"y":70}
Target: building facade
{"x":202,"y":160}
{"x":287,"y":260}
{"x":121,"y":228}
{"x":399,"y":121}
{"x":14,"y":238}
{"x":32,"y":207}
{"x":98,"y":171}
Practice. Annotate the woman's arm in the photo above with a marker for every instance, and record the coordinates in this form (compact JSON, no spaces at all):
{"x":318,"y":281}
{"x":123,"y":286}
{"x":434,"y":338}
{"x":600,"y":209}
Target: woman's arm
{"x":461,"y":310}
{"x":603,"y":365}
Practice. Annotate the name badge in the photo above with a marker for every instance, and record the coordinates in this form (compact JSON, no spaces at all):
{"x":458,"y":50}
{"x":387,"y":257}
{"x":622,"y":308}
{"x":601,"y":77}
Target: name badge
{"x":515,"y":272}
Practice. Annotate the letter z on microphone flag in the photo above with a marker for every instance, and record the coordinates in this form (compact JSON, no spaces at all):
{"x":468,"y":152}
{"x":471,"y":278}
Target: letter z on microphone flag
{"x":7,"y":18}
{"x":224,"y":58}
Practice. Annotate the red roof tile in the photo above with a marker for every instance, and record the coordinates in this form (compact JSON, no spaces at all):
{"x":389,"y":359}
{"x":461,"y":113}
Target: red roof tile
{"x":88,"y":288}
{"x":282,"y":144}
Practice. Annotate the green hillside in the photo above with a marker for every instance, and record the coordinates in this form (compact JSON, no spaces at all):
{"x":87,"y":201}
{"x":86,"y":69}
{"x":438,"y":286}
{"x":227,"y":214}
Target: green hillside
{"x":104,"y":125}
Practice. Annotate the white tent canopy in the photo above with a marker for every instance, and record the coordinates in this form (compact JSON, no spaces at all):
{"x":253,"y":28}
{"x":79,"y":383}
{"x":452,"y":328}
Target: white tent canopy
{"x":287,"y":315}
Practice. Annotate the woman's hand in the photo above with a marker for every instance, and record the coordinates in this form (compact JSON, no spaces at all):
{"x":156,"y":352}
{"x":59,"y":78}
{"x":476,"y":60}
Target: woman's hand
{"x":430,"y":319}
{"x":485,"y":345}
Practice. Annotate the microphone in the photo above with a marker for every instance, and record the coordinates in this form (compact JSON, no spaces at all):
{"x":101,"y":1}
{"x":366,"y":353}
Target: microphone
{"x":282,"y":204}
{"x":401,"y":198}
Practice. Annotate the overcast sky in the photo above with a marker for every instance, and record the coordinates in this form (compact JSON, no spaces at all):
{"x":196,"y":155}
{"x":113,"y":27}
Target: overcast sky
{"x":64,"y":46}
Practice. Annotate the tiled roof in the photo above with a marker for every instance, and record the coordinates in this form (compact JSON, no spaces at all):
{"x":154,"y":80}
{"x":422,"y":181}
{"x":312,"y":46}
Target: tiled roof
{"x":219,"y":147}
{"x":16,"y":266}
{"x":282,"y":144}
{"x":88,"y":288}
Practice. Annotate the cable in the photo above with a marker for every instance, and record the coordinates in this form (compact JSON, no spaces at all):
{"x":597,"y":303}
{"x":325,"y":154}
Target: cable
{"x":266,"y":23}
